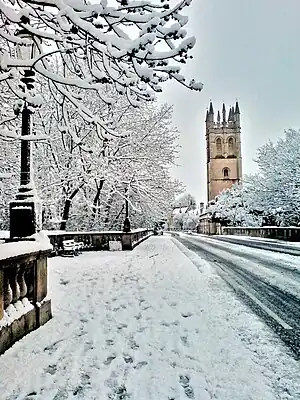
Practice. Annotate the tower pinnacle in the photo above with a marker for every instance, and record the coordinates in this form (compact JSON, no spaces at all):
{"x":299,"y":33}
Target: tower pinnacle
{"x":224,"y":114}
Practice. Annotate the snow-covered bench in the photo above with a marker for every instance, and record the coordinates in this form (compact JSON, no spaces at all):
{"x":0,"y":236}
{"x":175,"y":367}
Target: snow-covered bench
{"x":70,"y":247}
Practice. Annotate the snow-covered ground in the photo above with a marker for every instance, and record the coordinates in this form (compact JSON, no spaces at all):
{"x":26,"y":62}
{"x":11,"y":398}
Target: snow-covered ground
{"x":156,"y":323}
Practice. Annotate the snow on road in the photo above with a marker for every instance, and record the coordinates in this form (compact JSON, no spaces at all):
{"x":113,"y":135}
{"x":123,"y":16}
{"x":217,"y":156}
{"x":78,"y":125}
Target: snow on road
{"x":278,"y":242}
{"x":146,"y":325}
{"x":279,"y":269}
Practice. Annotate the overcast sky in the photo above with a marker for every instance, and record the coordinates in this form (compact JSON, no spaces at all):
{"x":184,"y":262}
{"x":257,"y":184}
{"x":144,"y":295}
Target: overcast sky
{"x":247,"y":50}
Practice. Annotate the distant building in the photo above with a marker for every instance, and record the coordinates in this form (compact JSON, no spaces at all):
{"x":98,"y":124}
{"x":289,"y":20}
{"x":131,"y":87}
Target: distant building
{"x":223,"y":143}
{"x":223,"y":159}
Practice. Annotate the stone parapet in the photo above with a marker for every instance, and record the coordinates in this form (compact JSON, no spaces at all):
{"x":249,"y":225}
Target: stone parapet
{"x":98,"y":241}
{"x":24,"y":305}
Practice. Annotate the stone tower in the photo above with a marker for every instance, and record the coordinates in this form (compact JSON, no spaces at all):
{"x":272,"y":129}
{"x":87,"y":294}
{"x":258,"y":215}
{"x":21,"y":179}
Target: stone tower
{"x":223,"y":143}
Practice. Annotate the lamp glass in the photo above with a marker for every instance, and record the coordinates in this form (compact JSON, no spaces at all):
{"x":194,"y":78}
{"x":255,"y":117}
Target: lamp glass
{"x":29,"y":49}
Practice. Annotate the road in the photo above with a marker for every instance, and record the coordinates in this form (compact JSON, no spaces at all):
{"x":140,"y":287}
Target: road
{"x":276,"y":246}
{"x":267,"y":281}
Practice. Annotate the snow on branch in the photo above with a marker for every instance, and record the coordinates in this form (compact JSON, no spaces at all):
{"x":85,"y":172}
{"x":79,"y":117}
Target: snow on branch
{"x":133,"y":46}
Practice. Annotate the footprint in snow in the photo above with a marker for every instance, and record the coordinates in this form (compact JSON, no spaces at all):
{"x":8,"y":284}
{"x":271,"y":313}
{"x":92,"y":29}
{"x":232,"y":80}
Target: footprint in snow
{"x":184,"y":340}
{"x":140,"y":364}
{"x":63,"y":282}
{"x":122,"y":326}
{"x":186,"y":314}
{"x":184,"y":381}
{"x":78,"y":390}
{"x":52,"y":347}
{"x":51,"y":369}
{"x":119,"y":393}
{"x":110,"y":359}
{"x":128,"y":359}
{"x":85,"y":379}
{"x":133,"y":345}
{"x":137,"y":317}
{"x":109,"y":342}
{"x":88,"y":346}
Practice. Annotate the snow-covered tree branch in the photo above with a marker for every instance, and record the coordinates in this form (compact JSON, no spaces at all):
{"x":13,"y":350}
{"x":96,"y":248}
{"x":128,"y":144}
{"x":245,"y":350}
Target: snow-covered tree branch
{"x":131,"y":47}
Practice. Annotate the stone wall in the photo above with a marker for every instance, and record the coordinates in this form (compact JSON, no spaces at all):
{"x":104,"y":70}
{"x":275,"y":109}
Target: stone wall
{"x":24,"y":305}
{"x":289,"y":233}
{"x":100,"y":240}
{"x":207,"y":226}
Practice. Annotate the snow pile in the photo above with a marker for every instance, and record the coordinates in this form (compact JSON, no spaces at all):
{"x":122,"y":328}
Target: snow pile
{"x":15,"y":311}
{"x":146,"y":325}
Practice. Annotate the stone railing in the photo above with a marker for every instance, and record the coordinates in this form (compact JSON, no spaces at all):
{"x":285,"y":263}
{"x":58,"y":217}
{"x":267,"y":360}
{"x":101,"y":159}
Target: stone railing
{"x":290,"y":233}
{"x":100,"y":240}
{"x":24,"y":305}
{"x":132,"y":239}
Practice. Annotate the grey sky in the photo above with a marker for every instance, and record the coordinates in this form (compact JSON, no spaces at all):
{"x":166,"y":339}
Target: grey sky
{"x":247,"y":50}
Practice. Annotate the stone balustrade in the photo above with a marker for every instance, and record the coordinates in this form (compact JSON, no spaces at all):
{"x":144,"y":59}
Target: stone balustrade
{"x":100,"y":240}
{"x":289,"y":233}
{"x":24,"y":305}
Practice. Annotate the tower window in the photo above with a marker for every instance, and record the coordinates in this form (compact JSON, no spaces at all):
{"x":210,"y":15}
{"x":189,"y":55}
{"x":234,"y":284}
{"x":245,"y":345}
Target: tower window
{"x":226,"y":172}
{"x":219,"y":146}
{"x":230,"y":146}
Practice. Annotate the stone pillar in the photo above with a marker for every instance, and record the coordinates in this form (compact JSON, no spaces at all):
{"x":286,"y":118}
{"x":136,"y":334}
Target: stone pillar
{"x":127,"y":241}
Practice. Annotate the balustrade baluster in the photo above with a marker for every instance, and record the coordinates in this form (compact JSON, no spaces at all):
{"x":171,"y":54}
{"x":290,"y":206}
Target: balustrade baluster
{"x":7,"y":292}
{"x":14,"y":284}
{"x":22,"y":282}
{"x":29,"y":279}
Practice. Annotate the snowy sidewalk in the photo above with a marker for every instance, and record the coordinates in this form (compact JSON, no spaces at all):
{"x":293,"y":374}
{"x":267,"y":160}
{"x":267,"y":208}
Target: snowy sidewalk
{"x":146,"y":325}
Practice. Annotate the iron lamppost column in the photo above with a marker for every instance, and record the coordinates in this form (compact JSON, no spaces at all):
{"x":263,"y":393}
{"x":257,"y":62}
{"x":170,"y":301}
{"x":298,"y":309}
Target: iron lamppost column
{"x":25,"y":174}
{"x":126,"y":225}
{"x":25,"y":211}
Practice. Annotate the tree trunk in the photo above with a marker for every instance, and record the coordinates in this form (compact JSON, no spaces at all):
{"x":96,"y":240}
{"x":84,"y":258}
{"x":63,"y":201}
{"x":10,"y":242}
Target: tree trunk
{"x":97,"y":197}
{"x":67,"y":207}
{"x":112,"y":225}
{"x":107,"y":209}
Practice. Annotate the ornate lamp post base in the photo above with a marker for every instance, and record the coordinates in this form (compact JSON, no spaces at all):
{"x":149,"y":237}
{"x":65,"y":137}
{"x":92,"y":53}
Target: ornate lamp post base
{"x":25,"y":218}
{"x":126,"y":226}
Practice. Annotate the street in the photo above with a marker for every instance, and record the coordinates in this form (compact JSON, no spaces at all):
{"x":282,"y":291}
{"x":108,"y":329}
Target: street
{"x":267,"y":280}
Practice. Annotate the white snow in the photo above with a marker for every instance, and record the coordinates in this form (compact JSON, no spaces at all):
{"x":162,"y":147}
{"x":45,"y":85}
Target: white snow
{"x":4,"y":234}
{"x":153,"y":322}
{"x":15,"y":311}
{"x":13,"y":249}
{"x":115,"y":245}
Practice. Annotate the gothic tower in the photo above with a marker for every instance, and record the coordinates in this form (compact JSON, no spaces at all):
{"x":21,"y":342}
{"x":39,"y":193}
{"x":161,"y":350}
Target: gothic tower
{"x":223,"y":143}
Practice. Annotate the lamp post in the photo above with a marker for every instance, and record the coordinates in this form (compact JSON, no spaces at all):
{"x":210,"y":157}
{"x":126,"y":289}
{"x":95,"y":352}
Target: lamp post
{"x":126,"y":225}
{"x":25,"y":210}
